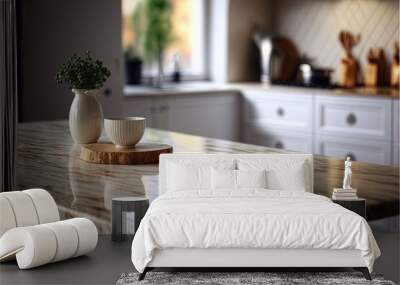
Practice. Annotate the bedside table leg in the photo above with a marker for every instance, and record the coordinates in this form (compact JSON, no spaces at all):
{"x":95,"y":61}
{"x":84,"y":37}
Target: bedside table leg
{"x":116,"y":216}
{"x":143,"y":274}
{"x":140,"y":210}
{"x":364,"y":271}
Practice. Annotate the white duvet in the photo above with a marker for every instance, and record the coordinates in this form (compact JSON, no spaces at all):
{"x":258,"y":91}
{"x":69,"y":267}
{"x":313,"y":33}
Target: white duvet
{"x":250,"y":219}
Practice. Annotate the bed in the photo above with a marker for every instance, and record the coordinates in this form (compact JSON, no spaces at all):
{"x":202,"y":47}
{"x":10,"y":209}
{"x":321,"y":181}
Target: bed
{"x":246,"y":211}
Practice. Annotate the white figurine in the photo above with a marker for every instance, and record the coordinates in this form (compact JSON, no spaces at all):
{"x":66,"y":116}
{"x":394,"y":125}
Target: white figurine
{"x":347,"y":174}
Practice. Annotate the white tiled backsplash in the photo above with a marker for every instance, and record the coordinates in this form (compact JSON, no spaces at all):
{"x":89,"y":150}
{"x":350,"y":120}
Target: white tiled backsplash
{"x":314,"y":26}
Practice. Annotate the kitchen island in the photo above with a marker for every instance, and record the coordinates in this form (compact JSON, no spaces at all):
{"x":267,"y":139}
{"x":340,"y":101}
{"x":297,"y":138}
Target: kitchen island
{"x":48,"y":158}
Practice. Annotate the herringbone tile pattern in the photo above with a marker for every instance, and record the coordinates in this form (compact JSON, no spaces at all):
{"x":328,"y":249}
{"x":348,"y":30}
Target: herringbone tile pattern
{"x":314,"y":26}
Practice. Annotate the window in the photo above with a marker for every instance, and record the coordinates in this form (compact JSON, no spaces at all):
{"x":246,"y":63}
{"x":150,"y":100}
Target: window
{"x":188,"y":43}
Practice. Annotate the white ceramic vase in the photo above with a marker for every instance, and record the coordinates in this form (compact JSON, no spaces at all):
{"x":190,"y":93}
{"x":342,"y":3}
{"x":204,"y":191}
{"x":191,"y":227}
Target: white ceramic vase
{"x":85,"y":117}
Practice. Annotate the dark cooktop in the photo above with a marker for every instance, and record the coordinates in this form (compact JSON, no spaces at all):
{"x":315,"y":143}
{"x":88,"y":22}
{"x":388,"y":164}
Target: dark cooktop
{"x":299,"y":84}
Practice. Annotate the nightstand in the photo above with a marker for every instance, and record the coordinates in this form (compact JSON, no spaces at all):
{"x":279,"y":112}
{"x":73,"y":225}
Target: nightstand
{"x":358,"y":206}
{"x":127,"y":212}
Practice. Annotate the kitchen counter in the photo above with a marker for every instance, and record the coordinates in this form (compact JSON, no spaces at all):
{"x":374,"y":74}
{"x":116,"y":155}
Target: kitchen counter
{"x":383,"y":92}
{"x":48,"y":158}
{"x":229,"y":88}
{"x":203,"y":87}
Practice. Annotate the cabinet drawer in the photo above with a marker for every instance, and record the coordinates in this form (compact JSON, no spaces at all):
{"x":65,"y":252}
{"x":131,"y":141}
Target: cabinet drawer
{"x":396,"y":119}
{"x":286,"y":111}
{"x":354,"y":117}
{"x":377,"y":152}
{"x":287,"y":140}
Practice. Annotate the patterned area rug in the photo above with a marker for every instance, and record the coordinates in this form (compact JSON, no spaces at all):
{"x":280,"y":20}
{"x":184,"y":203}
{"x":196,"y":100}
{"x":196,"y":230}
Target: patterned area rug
{"x":243,"y":278}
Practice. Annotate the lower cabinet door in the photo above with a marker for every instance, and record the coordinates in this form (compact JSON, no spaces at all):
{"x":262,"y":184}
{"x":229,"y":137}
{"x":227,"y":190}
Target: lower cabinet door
{"x":214,"y":116}
{"x":288,"y":140}
{"x":378,"y":152}
{"x":396,"y":153}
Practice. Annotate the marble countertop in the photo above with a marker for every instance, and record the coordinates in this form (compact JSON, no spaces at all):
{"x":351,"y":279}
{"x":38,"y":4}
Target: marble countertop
{"x":228,"y":88}
{"x":48,"y":158}
{"x":204,"y":87}
{"x":378,"y":92}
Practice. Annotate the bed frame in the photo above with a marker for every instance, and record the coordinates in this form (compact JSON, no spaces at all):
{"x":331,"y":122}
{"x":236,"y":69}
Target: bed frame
{"x":240,"y":259}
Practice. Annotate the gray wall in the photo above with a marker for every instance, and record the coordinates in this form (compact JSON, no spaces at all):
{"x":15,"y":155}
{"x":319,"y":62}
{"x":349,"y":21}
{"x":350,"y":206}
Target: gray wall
{"x":51,"y":30}
{"x":233,"y":54}
{"x":245,"y":18}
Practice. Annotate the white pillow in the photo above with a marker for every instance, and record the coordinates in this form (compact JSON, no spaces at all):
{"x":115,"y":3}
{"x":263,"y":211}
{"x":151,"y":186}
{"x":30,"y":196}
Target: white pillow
{"x":187,"y":174}
{"x":226,"y":179}
{"x":223,"y":179}
{"x":183,"y":178}
{"x":290,"y":179}
{"x":282,"y":174}
{"x":251,"y":178}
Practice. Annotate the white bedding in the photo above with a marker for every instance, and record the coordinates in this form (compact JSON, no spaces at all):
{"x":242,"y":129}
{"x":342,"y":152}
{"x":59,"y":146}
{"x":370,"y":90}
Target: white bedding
{"x":251,"y":218}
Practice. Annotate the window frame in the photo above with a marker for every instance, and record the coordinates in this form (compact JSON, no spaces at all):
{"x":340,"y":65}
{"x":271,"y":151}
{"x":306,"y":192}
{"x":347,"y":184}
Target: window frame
{"x":188,"y":77}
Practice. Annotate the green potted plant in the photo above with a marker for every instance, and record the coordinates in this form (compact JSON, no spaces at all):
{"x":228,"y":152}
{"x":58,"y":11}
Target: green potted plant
{"x":85,"y":76}
{"x":152,"y":24}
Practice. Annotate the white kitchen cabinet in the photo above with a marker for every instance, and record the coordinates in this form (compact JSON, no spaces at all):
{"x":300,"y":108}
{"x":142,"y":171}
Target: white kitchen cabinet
{"x":282,"y":139}
{"x":160,"y":113}
{"x":278,"y":119}
{"x":354,"y":117}
{"x":210,"y":115}
{"x":396,"y":120}
{"x":396,"y":153}
{"x":279,"y":110}
{"x":139,"y":107}
{"x":396,"y":139}
{"x":364,"y":127}
{"x":372,"y":151}
{"x":215,"y":116}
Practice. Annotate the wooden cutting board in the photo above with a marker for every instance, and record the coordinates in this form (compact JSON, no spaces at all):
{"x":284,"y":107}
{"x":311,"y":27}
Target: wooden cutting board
{"x":107,"y":153}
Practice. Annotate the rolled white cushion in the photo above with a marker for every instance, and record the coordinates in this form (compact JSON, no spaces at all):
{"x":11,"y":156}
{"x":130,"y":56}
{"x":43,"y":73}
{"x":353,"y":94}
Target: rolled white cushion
{"x":67,"y":240}
{"x":46,"y":207}
{"x":7,"y":218}
{"x":33,"y":246}
{"x":37,"y":245}
{"x":23,"y":208}
{"x":87,"y":234}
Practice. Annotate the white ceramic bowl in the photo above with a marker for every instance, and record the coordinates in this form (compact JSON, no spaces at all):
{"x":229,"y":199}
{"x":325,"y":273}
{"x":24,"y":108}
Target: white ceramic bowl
{"x":125,"y":132}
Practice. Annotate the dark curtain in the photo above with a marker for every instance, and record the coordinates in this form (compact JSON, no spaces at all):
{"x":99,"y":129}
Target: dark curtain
{"x":8,"y":95}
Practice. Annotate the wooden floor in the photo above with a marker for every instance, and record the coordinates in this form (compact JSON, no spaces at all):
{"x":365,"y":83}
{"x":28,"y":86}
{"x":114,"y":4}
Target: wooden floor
{"x":110,"y":260}
{"x":103,"y":266}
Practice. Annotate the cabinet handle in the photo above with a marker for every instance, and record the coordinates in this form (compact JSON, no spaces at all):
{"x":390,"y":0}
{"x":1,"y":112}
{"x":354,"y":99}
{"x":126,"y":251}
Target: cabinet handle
{"x":164,"y":108}
{"x":107,"y":92}
{"x":280,"y":111}
{"x":351,"y":119}
{"x":279,"y":145}
{"x":351,"y":155}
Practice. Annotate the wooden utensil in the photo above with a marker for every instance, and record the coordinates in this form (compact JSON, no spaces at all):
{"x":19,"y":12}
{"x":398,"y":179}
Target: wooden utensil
{"x":395,"y":67}
{"x":375,"y":69}
{"x":348,"y":41}
{"x":348,"y":68}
